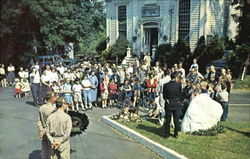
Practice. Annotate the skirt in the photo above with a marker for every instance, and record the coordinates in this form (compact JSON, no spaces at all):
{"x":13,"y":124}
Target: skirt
{"x":11,"y":77}
{"x":17,"y":90}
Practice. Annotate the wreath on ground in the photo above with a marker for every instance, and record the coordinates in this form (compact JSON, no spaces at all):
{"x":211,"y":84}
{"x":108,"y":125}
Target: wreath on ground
{"x":215,"y":130}
{"x":80,"y":122}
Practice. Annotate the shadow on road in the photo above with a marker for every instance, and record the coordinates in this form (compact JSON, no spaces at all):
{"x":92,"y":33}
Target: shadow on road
{"x":36,"y":154}
{"x":31,"y":103}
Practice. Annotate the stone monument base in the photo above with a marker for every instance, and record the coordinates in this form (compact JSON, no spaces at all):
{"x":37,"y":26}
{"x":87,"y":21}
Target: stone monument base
{"x":128,"y":60}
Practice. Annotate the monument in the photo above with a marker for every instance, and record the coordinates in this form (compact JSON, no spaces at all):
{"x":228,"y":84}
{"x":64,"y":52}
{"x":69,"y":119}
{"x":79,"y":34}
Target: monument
{"x":128,"y":59}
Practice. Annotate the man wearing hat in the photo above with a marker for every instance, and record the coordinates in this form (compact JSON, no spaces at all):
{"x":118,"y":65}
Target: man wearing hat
{"x":172,"y":97}
{"x":44,"y":112}
{"x":58,"y":129}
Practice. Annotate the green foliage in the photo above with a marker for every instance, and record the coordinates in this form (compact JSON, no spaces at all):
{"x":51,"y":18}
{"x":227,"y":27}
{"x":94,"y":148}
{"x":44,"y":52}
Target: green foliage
{"x":242,"y":84}
{"x":48,"y":25}
{"x":179,"y":52}
{"x":243,"y":20}
{"x":163,"y":53}
{"x":93,"y":41}
{"x":117,"y":50}
{"x":205,"y":53}
{"x":200,"y":47}
{"x":239,"y":58}
{"x":166,"y":53}
{"x":215,"y":130}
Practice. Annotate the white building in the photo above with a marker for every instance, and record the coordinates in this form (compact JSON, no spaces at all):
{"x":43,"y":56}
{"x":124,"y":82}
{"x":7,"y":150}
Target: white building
{"x":153,"y":22}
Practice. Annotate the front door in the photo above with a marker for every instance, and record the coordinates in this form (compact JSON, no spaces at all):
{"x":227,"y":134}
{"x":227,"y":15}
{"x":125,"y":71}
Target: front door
{"x":150,"y":38}
{"x":147,"y":41}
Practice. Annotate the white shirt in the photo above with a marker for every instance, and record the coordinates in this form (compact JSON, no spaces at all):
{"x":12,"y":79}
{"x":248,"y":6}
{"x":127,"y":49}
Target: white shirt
{"x":183,"y":72}
{"x":130,"y":69}
{"x":86,"y":83}
{"x":21,"y":74}
{"x":77,"y":87}
{"x":11,"y":68}
{"x":26,"y":74}
{"x":45,"y":78}
{"x":60,"y":69}
{"x":54,"y":77}
{"x":36,"y":77}
{"x":66,"y":75}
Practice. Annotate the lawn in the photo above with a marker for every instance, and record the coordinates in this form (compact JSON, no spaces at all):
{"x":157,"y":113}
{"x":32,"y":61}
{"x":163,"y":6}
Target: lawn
{"x":245,"y":84}
{"x":233,"y":144}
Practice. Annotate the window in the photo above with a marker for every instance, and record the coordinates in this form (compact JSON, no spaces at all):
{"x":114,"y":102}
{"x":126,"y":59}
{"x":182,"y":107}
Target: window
{"x":122,"y":21}
{"x":184,"y":19}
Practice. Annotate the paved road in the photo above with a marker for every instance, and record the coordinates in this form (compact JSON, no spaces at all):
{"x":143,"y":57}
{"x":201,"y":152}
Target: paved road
{"x":239,"y":108}
{"x":19,"y":134}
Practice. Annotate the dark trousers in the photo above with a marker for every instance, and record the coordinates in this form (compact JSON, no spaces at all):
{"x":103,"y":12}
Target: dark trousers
{"x":176,"y":114}
{"x":225,"y":111}
{"x":44,"y":90}
{"x":36,"y":93}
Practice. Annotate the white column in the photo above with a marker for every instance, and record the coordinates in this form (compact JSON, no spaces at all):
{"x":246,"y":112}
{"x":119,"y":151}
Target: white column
{"x":128,"y":51}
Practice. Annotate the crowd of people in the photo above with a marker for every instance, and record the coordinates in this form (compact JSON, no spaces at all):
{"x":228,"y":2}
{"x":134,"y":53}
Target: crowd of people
{"x":97,"y":85}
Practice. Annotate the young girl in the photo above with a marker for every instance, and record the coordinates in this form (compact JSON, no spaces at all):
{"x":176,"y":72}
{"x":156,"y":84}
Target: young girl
{"x":112,"y":92}
{"x":77,"y":90}
{"x":137,"y":90}
{"x":3,"y":76}
{"x":67,"y":89}
{"x":104,"y":93}
{"x":18,"y":88}
{"x":26,"y":88}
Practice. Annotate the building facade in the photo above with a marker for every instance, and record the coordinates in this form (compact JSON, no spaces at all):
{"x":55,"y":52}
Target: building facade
{"x":150,"y":23}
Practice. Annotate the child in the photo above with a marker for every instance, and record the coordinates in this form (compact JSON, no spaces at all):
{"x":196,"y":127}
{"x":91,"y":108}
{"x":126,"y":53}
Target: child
{"x":86,"y":92}
{"x":18,"y":88}
{"x":104,"y":93}
{"x":67,"y":89}
{"x":26,"y":87}
{"x":137,"y":90}
{"x":112,"y":92}
{"x":223,"y":98}
{"x":55,"y":87}
{"x":77,"y":88}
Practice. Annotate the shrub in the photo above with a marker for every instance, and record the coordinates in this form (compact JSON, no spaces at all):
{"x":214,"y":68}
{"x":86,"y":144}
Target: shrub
{"x":117,"y":50}
{"x":215,"y":130}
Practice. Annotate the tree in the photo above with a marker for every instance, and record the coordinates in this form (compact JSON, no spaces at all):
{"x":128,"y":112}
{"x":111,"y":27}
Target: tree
{"x":41,"y":26}
{"x":163,"y":53}
{"x":239,"y":59}
{"x":118,"y":50}
{"x":179,"y":52}
{"x":243,"y":20}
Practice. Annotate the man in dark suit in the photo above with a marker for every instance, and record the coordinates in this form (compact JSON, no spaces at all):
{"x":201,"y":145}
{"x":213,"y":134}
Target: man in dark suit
{"x":172,"y":97}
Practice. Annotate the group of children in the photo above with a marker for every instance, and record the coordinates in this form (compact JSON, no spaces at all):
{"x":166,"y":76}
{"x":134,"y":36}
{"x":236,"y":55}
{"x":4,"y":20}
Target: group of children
{"x":22,"y":88}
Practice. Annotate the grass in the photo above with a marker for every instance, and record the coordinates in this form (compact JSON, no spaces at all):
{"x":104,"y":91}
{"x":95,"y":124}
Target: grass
{"x":233,"y":144}
{"x":245,"y":84}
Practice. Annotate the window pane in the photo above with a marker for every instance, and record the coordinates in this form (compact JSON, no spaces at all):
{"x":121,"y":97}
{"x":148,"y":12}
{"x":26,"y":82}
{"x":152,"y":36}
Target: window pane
{"x":122,"y":20}
{"x":184,"y":19}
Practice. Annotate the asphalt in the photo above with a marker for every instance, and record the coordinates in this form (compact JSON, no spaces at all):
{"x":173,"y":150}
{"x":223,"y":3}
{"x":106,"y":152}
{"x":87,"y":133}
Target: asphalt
{"x":19,"y":133}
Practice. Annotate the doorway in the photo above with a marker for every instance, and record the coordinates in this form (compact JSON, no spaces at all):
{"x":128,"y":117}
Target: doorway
{"x":150,"y":37}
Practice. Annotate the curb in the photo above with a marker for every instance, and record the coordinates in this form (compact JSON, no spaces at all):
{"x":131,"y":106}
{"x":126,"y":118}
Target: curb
{"x":154,"y":146}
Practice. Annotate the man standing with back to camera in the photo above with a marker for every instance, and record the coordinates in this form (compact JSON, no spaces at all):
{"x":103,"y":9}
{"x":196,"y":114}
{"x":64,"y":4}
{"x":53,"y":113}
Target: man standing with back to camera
{"x":44,"y":112}
{"x":172,"y":97}
{"x":58,"y":129}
